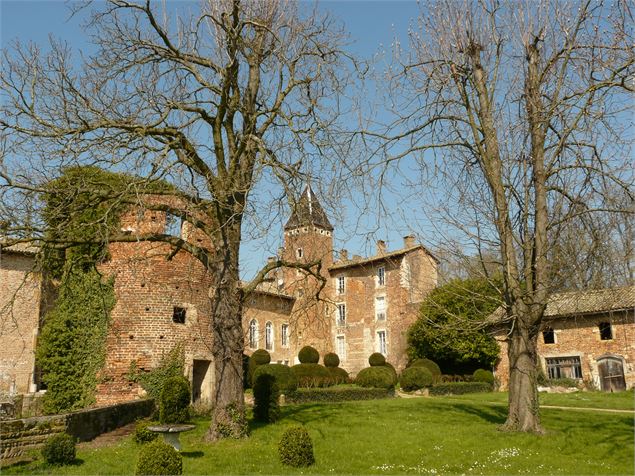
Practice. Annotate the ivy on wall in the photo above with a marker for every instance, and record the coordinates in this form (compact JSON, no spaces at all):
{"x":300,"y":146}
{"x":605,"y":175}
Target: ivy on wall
{"x":171,"y":365}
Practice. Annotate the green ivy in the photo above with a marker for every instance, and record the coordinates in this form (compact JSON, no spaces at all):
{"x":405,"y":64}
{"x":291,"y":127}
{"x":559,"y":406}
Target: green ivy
{"x":171,"y":365}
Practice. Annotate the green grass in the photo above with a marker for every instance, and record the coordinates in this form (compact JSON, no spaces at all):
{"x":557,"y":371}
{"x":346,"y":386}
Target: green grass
{"x":397,"y":436}
{"x":614,"y":401}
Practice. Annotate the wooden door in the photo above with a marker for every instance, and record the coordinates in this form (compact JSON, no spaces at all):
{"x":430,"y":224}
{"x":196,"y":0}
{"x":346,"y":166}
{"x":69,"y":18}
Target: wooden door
{"x":611,"y":374}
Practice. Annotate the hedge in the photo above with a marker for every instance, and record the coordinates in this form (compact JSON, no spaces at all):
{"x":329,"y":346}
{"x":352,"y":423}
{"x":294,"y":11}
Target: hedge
{"x":285,"y":377}
{"x":338,"y":394}
{"x":460,"y":388}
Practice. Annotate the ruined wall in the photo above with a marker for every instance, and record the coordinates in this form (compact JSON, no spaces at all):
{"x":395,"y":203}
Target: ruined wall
{"x":579,"y":336}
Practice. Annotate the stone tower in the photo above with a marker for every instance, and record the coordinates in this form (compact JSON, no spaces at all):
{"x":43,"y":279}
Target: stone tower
{"x":308,"y":238}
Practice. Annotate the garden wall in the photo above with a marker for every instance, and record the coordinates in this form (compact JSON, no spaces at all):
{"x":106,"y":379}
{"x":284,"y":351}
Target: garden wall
{"x":19,"y":437}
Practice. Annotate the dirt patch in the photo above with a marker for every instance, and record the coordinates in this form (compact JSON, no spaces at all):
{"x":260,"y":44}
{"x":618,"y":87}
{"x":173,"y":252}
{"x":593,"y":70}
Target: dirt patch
{"x":109,"y":438}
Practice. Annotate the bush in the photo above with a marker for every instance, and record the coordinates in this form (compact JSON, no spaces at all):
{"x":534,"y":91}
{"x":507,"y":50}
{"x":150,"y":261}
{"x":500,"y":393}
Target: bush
{"x":393,"y":371}
{"x":285,"y":378}
{"x":142,"y":434}
{"x":312,"y":375}
{"x":415,"y":378}
{"x":331,"y":360}
{"x":338,"y":394}
{"x":378,"y":377}
{"x":338,"y":375}
{"x":171,"y":365}
{"x":59,"y":449}
{"x":159,"y":458}
{"x":563,"y":382}
{"x":482,"y":375}
{"x":174,"y":403}
{"x":430,"y":365}
{"x":308,"y":355}
{"x":258,"y":358}
{"x":266,"y":394}
{"x":376,"y":360}
{"x":460,"y":388}
{"x":296,"y":448}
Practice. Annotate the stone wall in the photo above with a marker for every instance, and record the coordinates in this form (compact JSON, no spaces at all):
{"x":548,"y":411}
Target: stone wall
{"x":579,"y":336}
{"x":18,"y":438}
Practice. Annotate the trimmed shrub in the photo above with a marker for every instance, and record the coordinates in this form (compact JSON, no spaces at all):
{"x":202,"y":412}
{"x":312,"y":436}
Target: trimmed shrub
{"x":378,"y":377}
{"x":376,"y":359}
{"x":59,"y":449}
{"x":331,"y":360}
{"x":460,"y":388}
{"x":482,"y":375}
{"x":338,"y":394}
{"x":142,"y":434}
{"x":258,"y":358}
{"x":174,"y":403}
{"x":266,"y":394}
{"x":159,"y":458}
{"x":312,"y":375}
{"x":393,"y":371}
{"x":563,"y":382}
{"x":285,"y":378}
{"x":338,"y":375}
{"x":296,"y":448}
{"x":308,"y":355}
{"x":430,"y":365}
{"x":415,"y":378}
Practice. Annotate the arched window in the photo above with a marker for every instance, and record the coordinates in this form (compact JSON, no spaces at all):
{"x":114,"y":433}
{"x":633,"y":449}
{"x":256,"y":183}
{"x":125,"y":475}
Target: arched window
{"x":253,"y":334}
{"x":269,"y":336}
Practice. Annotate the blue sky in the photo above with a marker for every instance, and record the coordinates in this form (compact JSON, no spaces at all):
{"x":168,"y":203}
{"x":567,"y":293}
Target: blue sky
{"x":371,"y":25}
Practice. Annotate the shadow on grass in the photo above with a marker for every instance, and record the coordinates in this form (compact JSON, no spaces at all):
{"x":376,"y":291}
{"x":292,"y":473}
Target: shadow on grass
{"x":496,"y":415}
{"x":192,"y":454}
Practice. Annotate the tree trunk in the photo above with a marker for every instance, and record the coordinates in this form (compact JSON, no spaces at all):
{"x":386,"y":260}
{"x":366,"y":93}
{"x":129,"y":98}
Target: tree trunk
{"x":524,"y":410}
{"x":228,"y":417}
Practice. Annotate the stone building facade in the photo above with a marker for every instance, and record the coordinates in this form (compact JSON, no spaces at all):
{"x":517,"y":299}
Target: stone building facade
{"x":23,"y":300}
{"x":588,"y":336}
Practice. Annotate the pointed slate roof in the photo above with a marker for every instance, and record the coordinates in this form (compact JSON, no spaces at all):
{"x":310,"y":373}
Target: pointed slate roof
{"x":308,"y":211}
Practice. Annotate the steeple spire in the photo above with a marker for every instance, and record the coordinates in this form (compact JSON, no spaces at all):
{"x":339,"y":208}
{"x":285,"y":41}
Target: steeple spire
{"x":308,"y":211}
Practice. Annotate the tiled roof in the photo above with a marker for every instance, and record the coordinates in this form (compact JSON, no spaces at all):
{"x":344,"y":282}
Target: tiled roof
{"x":21,"y":248}
{"x":308,"y":211}
{"x":578,"y":303}
{"x":363,"y":261}
{"x":271,"y":289}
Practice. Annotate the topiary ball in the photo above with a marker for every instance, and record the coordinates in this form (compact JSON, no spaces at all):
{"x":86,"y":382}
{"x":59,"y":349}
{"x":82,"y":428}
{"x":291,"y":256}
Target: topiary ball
{"x":296,"y":448}
{"x":312,"y":375}
{"x":393,"y":371}
{"x":174,"y":402}
{"x":59,"y":449}
{"x":376,"y":359}
{"x":415,"y":378}
{"x":331,"y":359}
{"x":159,"y":458}
{"x":261,"y":357}
{"x":285,"y":377}
{"x":338,"y":375}
{"x":377,"y":377}
{"x":428,"y":364}
{"x":142,"y":434}
{"x":308,"y":355}
{"x":482,"y":375}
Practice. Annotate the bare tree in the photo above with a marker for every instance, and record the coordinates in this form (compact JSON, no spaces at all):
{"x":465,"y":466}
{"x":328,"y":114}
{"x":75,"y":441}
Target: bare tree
{"x":213,"y":101}
{"x":522,"y":107}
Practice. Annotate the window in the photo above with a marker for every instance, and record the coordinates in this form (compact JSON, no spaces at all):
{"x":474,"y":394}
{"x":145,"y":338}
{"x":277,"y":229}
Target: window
{"x":299,"y":253}
{"x":253,"y":334}
{"x":549,"y":336}
{"x":564,"y":367}
{"x":381,"y":276}
{"x":340,"y":345}
{"x":341,"y":314}
{"x":284,"y":335}
{"x":381,"y":342}
{"x":341,"y":285}
{"x":606,"y":333}
{"x":178,"y":315}
{"x":380,"y":308}
{"x":269,"y":336}
{"x":172,"y":225}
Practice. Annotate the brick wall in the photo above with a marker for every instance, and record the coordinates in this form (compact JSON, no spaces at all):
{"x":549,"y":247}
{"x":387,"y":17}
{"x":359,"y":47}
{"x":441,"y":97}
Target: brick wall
{"x":579,"y":336}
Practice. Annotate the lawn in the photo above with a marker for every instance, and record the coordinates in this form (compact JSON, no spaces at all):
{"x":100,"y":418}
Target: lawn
{"x":419,"y":435}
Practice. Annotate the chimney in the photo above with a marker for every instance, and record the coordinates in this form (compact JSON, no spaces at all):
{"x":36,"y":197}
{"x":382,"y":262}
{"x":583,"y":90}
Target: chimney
{"x":344,"y":255}
{"x":357,"y":258}
{"x":409,"y":241}
{"x":381,"y":247}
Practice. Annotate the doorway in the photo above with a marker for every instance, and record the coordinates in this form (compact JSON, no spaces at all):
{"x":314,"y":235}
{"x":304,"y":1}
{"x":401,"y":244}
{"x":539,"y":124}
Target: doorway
{"x":201,"y":381}
{"x":611,"y":370}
